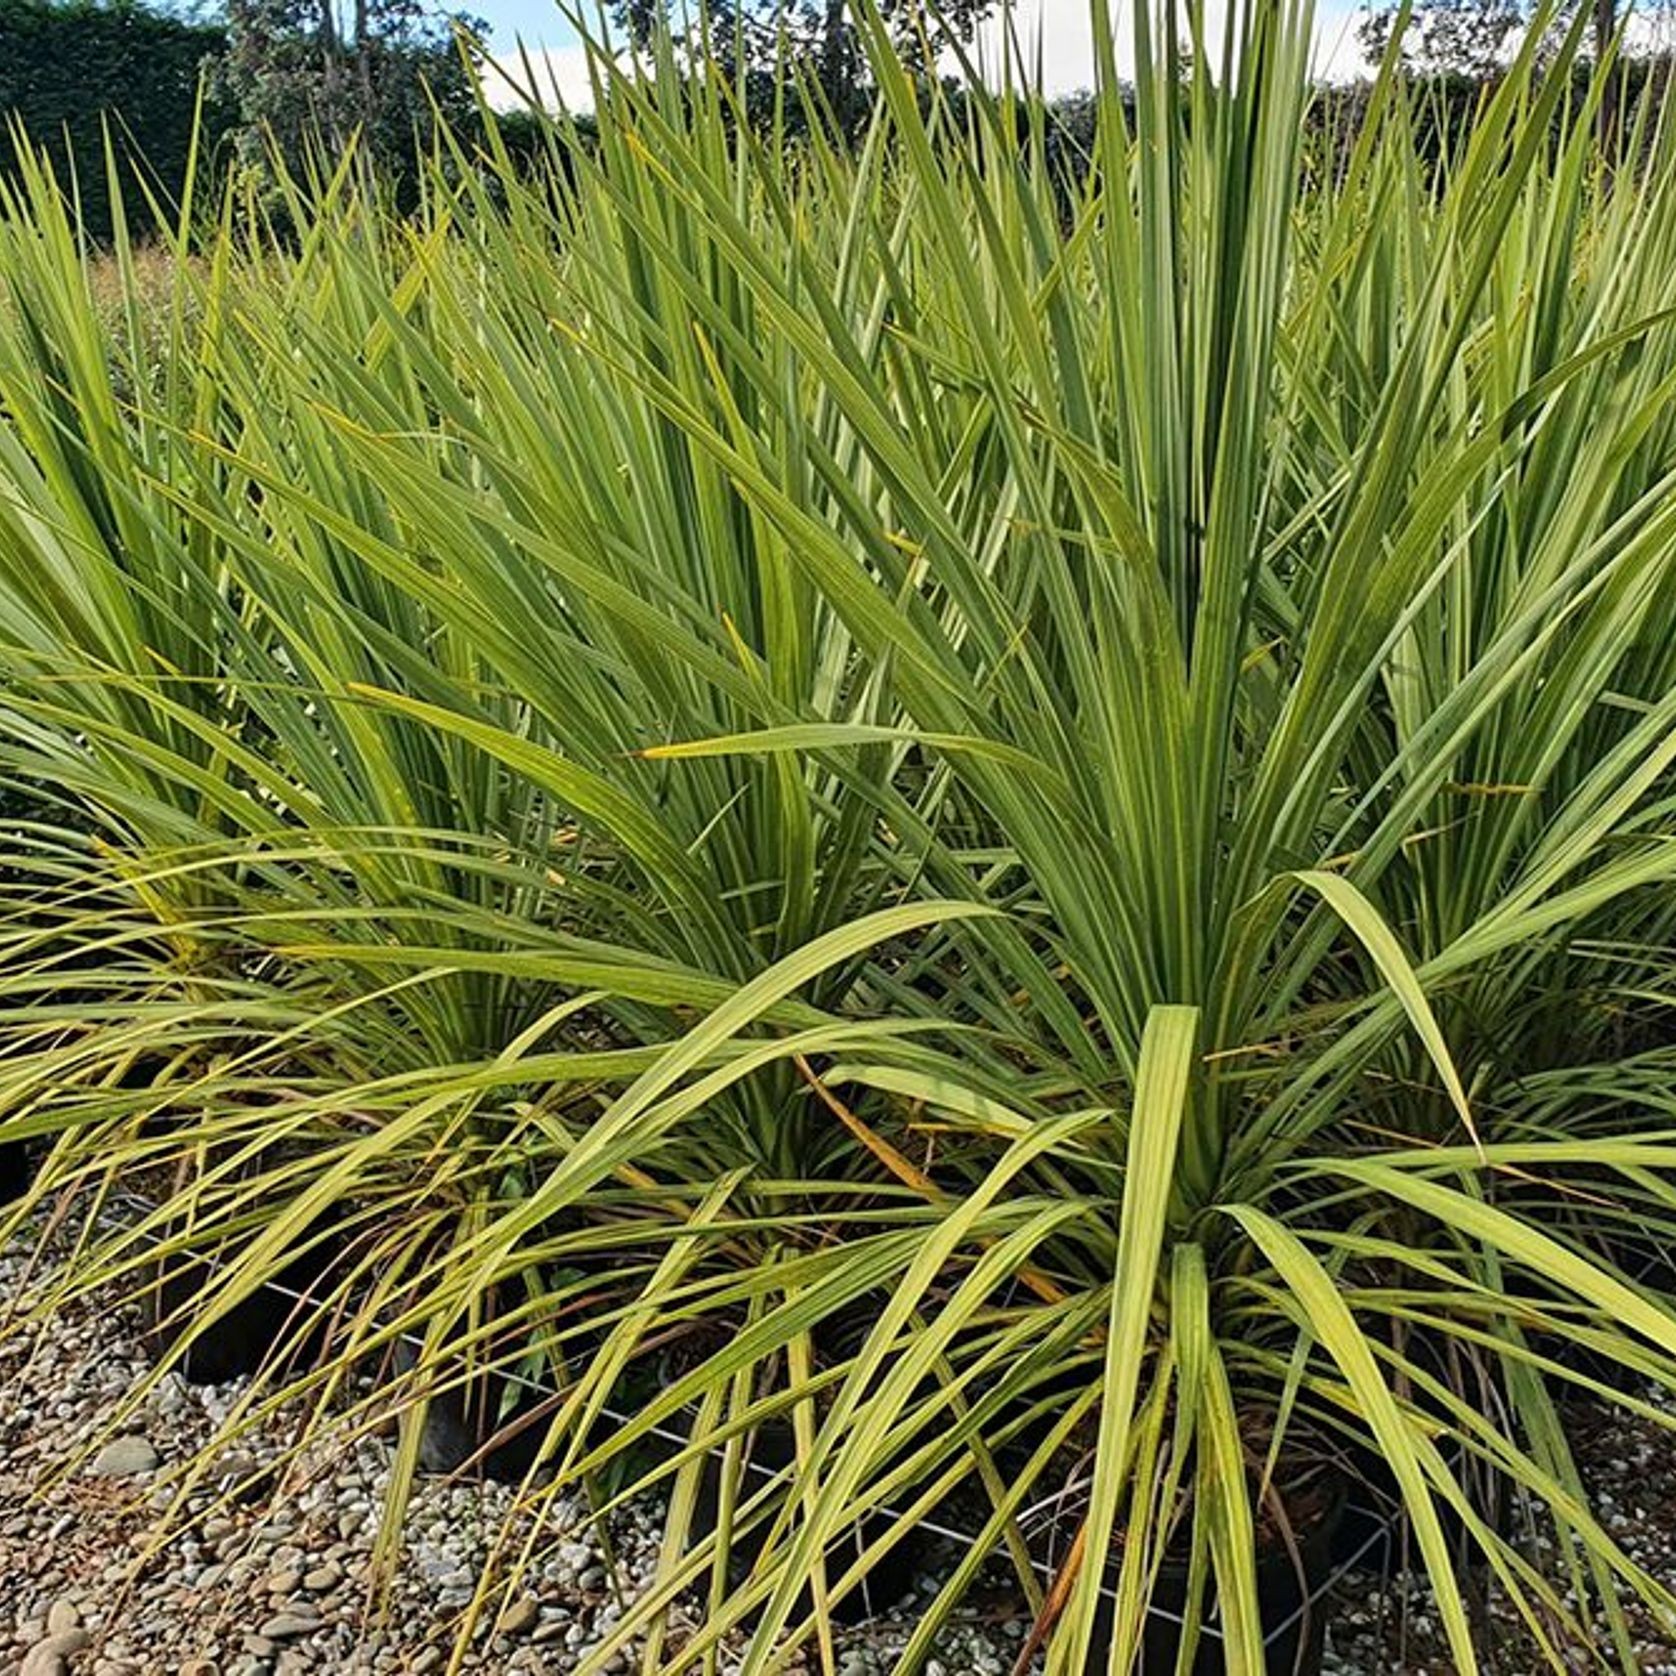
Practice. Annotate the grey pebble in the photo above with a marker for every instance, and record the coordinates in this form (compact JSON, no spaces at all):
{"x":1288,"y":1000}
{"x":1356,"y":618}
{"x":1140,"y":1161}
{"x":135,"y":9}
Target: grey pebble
{"x":286,"y":1626}
{"x":124,"y":1457}
{"x":51,"y":1656}
{"x":523,"y":1614}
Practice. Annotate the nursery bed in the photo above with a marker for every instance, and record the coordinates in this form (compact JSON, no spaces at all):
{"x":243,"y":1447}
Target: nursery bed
{"x":281,"y":1588}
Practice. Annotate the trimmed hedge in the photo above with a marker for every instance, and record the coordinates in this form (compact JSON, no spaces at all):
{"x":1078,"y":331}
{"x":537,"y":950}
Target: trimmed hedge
{"x":66,"y":68}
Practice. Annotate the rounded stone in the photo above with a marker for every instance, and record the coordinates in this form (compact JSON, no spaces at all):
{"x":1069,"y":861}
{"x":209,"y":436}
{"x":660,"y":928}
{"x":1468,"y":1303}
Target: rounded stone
{"x":523,"y":1614}
{"x":65,"y":1615}
{"x":287,"y":1626}
{"x":125,"y":1457}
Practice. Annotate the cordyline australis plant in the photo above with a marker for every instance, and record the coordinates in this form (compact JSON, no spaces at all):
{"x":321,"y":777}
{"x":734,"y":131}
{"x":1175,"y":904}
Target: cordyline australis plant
{"x":1010,"y":820}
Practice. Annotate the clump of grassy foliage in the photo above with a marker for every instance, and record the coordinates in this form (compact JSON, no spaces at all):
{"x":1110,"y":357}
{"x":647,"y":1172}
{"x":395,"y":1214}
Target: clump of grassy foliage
{"x":998,"y":810}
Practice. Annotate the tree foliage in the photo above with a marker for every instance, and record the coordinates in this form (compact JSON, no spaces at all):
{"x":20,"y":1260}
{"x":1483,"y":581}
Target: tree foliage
{"x":1466,"y":38}
{"x":306,"y":71}
{"x":766,"y":43}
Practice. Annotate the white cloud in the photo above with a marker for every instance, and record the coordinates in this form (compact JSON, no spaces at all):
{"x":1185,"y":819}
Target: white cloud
{"x":1338,"y":53}
{"x":1051,"y":43}
{"x":1057,"y":37}
{"x":555,"y":75}
{"x":1050,"y":38}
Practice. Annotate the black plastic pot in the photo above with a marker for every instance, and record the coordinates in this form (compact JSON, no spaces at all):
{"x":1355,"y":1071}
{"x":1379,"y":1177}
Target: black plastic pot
{"x":472,"y":1427}
{"x":770,"y":1451}
{"x":1293,"y":1590}
{"x":16,"y":1172}
{"x":1377,"y":1511}
{"x":773,"y":1449}
{"x":484,"y":1419}
{"x":261,"y":1326}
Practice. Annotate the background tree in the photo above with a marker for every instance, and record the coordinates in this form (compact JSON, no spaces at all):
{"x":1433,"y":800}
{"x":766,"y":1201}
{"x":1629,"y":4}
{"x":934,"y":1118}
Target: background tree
{"x":761,"y":39}
{"x":1469,"y":40}
{"x":1465,"y":38}
{"x":302,"y":71}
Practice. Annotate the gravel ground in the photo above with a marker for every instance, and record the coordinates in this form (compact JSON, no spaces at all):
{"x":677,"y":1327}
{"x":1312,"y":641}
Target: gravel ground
{"x":1388,"y":1623}
{"x":277,"y":1585}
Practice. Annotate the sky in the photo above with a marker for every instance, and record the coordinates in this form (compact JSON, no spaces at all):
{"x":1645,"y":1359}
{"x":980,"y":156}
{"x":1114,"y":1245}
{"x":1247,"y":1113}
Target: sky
{"x":1061,"y":25}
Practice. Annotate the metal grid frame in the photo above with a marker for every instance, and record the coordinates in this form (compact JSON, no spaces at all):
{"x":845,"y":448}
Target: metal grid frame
{"x":1379,"y":1537}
